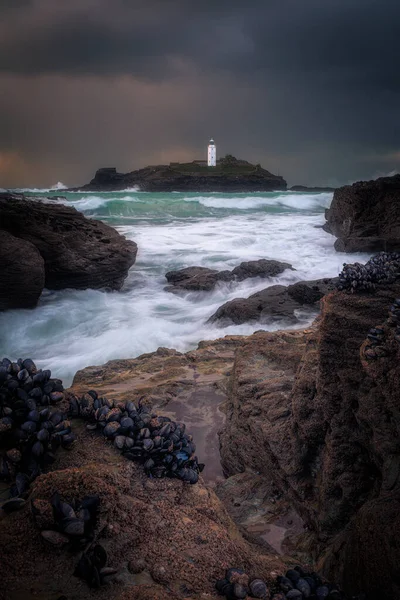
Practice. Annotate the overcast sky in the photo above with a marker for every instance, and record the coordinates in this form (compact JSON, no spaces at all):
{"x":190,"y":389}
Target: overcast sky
{"x":308,"y":88}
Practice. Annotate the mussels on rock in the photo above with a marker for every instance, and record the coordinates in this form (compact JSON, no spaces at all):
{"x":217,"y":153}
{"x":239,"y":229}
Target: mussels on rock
{"x":382,"y":268}
{"x":296,"y":584}
{"x":31,"y":428}
{"x":163,"y":446}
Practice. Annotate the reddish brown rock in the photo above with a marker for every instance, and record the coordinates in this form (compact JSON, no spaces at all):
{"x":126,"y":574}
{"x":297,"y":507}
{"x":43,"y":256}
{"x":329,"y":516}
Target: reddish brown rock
{"x":323,"y":427}
{"x":22,"y":273}
{"x":365,"y":216}
{"x":77,"y":252}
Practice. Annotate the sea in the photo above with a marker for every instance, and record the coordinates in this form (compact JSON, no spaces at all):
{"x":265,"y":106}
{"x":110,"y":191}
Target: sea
{"x":72,"y":329}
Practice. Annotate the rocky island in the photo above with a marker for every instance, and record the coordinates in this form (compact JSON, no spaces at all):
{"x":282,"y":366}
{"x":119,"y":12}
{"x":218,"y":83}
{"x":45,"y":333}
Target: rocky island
{"x":229,"y":175}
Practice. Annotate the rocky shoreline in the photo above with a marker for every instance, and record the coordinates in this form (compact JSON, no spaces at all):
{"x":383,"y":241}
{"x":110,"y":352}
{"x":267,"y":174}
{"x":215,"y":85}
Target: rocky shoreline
{"x":302,"y":413}
{"x":242,"y":468}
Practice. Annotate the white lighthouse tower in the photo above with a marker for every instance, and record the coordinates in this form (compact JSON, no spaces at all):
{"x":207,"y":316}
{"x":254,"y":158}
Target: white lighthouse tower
{"x":212,"y":154}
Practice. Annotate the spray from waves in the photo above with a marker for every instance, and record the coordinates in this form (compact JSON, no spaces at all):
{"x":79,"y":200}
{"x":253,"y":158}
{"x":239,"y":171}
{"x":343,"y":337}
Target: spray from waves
{"x":134,"y":188}
{"x":58,"y":186}
{"x":295,"y":201}
{"x":55,"y":188}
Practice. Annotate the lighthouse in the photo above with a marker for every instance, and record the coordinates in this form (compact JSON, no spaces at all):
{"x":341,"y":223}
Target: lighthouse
{"x":212,"y":154}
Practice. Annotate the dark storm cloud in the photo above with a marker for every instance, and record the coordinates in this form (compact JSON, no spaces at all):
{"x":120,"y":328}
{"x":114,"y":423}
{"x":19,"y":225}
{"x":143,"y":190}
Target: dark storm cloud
{"x":308,"y":87}
{"x":124,"y":37}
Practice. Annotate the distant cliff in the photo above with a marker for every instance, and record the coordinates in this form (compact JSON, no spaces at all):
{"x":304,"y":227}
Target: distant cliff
{"x":230,"y":175}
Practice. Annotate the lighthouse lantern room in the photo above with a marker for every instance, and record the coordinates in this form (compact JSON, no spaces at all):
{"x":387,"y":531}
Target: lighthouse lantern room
{"x":212,"y":154}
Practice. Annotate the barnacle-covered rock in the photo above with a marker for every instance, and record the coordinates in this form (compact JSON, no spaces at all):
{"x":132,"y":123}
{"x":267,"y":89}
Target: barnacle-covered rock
{"x":383,"y":268}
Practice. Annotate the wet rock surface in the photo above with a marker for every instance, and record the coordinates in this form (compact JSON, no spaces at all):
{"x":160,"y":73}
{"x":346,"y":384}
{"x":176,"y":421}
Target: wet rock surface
{"x":22,"y":273}
{"x":77,"y":252}
{"x":330,"y":441}
{"x":365,"y":216}
{"x":164,"y":537}
{"x":201,"y":278}
{"x":275,"y":303}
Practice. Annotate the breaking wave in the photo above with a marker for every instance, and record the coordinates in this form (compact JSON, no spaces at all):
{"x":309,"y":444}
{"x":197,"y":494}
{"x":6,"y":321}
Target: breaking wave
{"x":296,"y":201}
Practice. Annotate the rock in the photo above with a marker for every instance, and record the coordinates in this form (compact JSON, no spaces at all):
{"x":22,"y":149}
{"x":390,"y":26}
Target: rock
{"x":304,"y":188}
{"x":77,"y":252}
{"x":277,"y":302}
{"x":22,"y":273}
{"x":192,"y":279}
{"x":327,"y":423}
{"x":199,"y":538}
{"x":201,"y":278}
{"x":229,"y":175}
{"x":137,"y":565}
{"x":365,"y":217}
{"x":259,"y":268}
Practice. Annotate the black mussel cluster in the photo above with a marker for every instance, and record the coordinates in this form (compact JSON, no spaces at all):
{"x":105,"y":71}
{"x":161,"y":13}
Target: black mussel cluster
{"x":162,"y":445}
{"x":296,"y":584}
{"x":382,"y":268}
{"x":375,"y":346}
{"x":72,"y":523}
{"x":237,"y":584}
{"x":92,"y":567}
{"x":31,"y":429}
{"x":394,"y":318}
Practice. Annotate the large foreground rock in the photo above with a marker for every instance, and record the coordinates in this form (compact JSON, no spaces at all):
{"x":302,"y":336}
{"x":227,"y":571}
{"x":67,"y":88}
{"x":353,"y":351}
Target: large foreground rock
{"x":168,"y":539}
{"x":22,"y":273}
{"x":77,"y":252}
{"x":323,"y":428}
{"x":275,"y":303}
{"x":365,"y":216}
{"x":201,"y":278}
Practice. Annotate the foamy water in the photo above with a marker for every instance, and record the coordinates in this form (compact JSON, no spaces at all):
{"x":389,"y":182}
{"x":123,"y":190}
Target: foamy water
{"x":71,"y":329}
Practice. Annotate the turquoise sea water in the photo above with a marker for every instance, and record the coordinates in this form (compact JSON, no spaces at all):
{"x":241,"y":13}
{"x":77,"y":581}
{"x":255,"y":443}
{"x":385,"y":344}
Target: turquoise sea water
{"x":71,"y":329}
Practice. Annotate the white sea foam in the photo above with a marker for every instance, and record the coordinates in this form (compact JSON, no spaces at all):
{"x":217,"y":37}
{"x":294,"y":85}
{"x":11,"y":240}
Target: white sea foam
{"x":71,"y":329}
{"x":296,"y":201}
{"x":87,"y":203}
{"x":57,"y":186}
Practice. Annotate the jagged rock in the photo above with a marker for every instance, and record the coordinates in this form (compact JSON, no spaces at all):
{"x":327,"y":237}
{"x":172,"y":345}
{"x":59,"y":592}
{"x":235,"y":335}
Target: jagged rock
{"x":327,"y":423}
{"x":229,"y":175}
{"x":22,"y":273}
{"x":77,"y":252}
{"x":277,"y":302}
{"x":201,"y":278}
{"x":365,"y":216}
